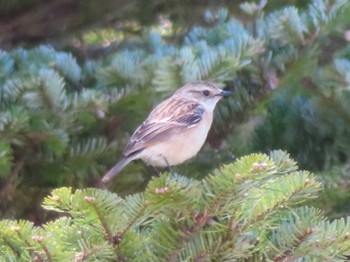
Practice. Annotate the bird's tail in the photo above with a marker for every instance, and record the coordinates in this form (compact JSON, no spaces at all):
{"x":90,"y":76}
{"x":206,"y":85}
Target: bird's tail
{"x":114,"y":171}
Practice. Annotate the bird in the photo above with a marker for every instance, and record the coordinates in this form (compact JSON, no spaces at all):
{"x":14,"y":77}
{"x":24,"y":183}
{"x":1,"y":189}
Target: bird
{"x":175,"y":130}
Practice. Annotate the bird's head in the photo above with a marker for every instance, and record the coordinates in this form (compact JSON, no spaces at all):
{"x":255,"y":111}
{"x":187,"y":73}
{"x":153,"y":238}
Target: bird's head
{"x":203,"y":92}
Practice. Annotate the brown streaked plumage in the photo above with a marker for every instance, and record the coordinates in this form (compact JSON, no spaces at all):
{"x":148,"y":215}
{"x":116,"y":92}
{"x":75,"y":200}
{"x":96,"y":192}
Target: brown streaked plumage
{"x":175,"y":130}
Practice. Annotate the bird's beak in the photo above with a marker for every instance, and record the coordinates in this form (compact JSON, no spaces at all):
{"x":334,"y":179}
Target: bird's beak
{"x":225,"y":93}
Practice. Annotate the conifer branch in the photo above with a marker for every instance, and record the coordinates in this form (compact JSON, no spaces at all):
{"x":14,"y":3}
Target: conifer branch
{"x":40,"y":239}
{"x":109,"y":234}
{"x":83,"y":256}
{"x":32,"y":250}
{"x":113,"y":240}
{"x":16,"y":252}
{"x":288,"y":254}
{"x":187,"y":234}
{"x":133,"y":221}
{"x":156,"y":225}
{"x":9,"y":183}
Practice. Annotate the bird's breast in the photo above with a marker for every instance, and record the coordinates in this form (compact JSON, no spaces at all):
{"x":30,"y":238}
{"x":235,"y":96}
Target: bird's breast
{"x":179,"y":147}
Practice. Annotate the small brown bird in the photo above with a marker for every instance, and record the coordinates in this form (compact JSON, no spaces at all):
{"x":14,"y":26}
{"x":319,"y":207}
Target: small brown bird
{"x":175,"y":130}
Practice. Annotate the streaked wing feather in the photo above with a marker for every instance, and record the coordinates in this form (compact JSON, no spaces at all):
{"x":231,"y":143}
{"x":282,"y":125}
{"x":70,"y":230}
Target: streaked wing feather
{"x":170,"y":117}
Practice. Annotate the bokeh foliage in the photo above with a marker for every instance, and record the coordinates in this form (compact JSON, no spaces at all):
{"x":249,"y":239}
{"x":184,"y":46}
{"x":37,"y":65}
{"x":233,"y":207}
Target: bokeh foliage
{"x":64,"y":118}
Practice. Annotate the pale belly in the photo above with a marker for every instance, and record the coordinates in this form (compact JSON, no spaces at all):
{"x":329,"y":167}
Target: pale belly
{"x":178,"y":147}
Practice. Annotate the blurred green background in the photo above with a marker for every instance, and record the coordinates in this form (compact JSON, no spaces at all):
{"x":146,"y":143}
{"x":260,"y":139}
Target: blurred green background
{"x":77,"y":78}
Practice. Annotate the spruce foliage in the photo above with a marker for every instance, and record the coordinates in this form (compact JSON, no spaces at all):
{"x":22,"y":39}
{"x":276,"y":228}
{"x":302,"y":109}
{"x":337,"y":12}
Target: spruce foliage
{"x":251,"y":210}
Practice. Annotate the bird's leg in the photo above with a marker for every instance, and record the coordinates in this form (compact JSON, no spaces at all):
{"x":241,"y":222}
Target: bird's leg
{"x":156,"y":171}
{"x":170,"y":169}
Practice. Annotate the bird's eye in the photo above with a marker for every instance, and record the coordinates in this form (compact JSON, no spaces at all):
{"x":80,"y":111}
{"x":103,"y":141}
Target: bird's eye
{"x":206,"y":92}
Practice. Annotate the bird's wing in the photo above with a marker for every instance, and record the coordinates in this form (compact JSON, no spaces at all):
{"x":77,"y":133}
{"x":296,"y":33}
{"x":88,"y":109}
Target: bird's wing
{"x":170,"y":117}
